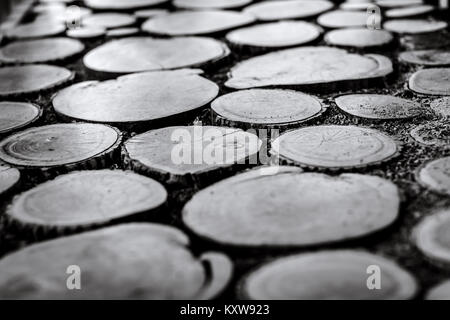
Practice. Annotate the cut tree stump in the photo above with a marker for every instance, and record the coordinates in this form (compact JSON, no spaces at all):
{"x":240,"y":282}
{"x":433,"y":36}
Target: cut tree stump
{"x":441,"y":107}
{"x":435,"y":175}
{"x":288,"y":9}
{"x":17,"y":115}
{"x":378,"y":106}
{"x":137,"y":98}
{"x":407,"y":12}
{"x":9,"y":178}
{"x":343,"y":19}
{"x":429,"y":58}
{"x":358,"y":38}
{"x":122,"y":5}
{"x":328,"y":275}
{"x":190,"y":155}
{"x":432,"y":134}
{"x":334,"y":147}
{"x":200,"y":22}
{"x":433,"y":81}
{"x":265,"y":108}
{"x":86,"y":33}
{"x":140,"y":261}
{"x":289,"y":208}
{"x":414,"y":26}
{"x":150,"y":54}
{"x":210,"y":4}
{"x":109,"y":20}
{"x":275,"y":35}
{"x":309,"y":67}
{"x":441,"y":291}
{"x":84,"y":199}
{"x":431,"y":237}
{"x":35,"y":30}
{"x":61,"y":148}
{"x":40,"y":51}
{"x":30,"y":79}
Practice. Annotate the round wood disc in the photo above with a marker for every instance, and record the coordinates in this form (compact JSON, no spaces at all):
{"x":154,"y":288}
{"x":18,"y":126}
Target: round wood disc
{"x":86,"y":32}
{"x":307,"y":66}
{"x":122,"y":32}
{"x":433,"y":58}
{"x":276,"y":34}
{"x":358,"y":37}
{"x":9,"y":177}
{"x":409,"y":11}
{"x":86,"y":198}
{"x":414,"y":26}
{"x":288,"y":9}
{"x":436,"y":175}
{"x":334,"y":146}
{"x":137,"y":97}
{"x":431,"y":236}
{"x":194,"y":150}
{"x":31,"y":79}
{"x":433,"y":81}
{"x":441,"y":107}
{"x":40,"y":51}
{"x":141,"y":261}
{"x":151,"y":54}
{"x":377,"y":106}
{"x":109,"y":20}
{"x":267,"y":107}
{"x":432,"y":134}
{"x":343,"y":19}
{"x":328,"y":275}
{"x":355,"y":6}
{"x":58,"y":145}
{"x":16,"y":115}
{"x":206,"y":22}
{"x":210,"y":4}
{"x":122,"y":5}
{"x":290,"y":208}
{"x":35,"y":30}
{"x":439,"y":292}
{"x":149,"y":13}
{"x":398,"y":3}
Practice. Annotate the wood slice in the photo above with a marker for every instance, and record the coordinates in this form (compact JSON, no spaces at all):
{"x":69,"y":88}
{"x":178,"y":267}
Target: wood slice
{"x":196,"y":22}
{"x":86,"y":33}
{"x":60,"y":145}
{"x":140,"y":261}
{"x":9,"y":178}
{"x":140,"y":97}
{"x":436,"y":175}
{"x":431,"y":237}
{"x":356,"y":6}
{"x":122,"y":32}
{"x":358,"y":37}
{"x":377,"y":106}
{"x":149,"y":13}
{"x":109,"y":20}
{"x":398,"y":3}
{"x":40,"y":51}
{"x":433,"y":81}
{"x":439,"y":292}
{"x":432,"y":134}
{"x":122,"y":5}
{"x":288,"y":9}
{"x":275,"y":35}
{"x":87,"y":198}
{"x":260,"y":107}
{"x":189,"y":154}
{"x":328,"y":275}
{"x":409,"y":11}
{"x":334,"y":147}
{"x":425,"y":41}
{"x":414,"y":26}
{"x":441,"y":107}
{"x":290,"y":208}
{"x":150,"y":54}
{"x":16,"y":115}
{"x":432,"y":58}
{"x":210,"y":4}
{"x":30,"y":79}
{"x":35,"y":30}
{"x":343,"y":19}
{"x":308,"y":67}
